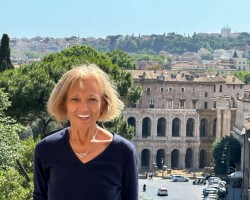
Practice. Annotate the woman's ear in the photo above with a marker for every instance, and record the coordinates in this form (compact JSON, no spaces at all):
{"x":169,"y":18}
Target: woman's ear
{"x":104,"y":105}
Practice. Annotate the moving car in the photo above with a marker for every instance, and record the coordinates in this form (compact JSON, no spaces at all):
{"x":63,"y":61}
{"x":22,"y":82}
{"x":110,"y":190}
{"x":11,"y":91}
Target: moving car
{"x":179,"y":178}
{"x":162,"y":192}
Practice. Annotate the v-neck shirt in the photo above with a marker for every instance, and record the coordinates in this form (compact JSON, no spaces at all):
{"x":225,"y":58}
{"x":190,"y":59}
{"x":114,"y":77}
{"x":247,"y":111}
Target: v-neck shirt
{"x":60,"y":175}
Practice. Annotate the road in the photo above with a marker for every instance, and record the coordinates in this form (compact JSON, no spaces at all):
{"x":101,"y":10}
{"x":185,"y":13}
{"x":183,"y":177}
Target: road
{"x":176,"y":190}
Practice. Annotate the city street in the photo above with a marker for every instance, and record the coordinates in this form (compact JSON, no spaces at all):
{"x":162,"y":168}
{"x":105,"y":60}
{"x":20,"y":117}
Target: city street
{"x":176,"y":190}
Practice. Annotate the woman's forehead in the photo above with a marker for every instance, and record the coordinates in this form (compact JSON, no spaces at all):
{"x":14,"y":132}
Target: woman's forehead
{"x":89,"y":84}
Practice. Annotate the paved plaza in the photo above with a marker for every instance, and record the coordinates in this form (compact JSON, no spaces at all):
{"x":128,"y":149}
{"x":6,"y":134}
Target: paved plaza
{"x":176,"y":190}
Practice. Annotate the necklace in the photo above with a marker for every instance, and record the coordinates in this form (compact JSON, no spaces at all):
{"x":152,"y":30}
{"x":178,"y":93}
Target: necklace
{"x":82,"y":155}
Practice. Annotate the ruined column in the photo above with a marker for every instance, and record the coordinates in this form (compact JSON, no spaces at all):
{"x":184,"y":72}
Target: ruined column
{"x":218,"y":124}
{"x":226,"y":123}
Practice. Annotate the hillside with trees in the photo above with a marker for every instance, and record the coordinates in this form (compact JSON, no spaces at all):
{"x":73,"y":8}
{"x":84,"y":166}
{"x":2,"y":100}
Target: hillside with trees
{"x":172,"y":43}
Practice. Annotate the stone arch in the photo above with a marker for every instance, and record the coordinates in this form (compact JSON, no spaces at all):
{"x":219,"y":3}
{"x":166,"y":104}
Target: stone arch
{"x":203,"y":158}
{"x":175,"y":156}
{"x":145,"y":159}
{"x":132,"y":122}
{"x":189,"y":158}
{"x":190,"y":127}
{"x":214,"y":126}
{"x":160,"y":158}
{"x":161,"y":127}
{"x":203,"y":127}
{"x":146,"y":127}
{"x":176,"y":127}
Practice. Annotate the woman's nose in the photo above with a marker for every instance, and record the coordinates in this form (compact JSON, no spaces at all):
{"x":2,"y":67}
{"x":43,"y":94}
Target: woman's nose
{"x":83,"y":106}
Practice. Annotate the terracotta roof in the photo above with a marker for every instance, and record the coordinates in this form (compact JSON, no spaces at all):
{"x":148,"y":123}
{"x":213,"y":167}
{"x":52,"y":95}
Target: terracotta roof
{"x":181,"y":76}
{"x":247,"y":88}
{"x":231,"y":79}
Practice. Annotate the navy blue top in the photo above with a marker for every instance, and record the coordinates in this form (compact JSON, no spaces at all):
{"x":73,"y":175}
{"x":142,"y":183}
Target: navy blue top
{"x":60,"y":175}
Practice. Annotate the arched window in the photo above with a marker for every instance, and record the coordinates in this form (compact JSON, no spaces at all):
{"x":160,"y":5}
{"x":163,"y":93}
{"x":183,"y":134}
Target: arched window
{"x":203,"y":127}
{"x":214,"y":127}
{"x":146,"y":127}
{"x":132,"y":122}
{"x":190,"y":127}
{"x":176,"y":127}
{"x":203,"y":158}
{"x":189,"y":158}
{"x":145,"y":158}
{"x":175,"y":159}
{"x":161,"y":127}
{"x":160,"y":158}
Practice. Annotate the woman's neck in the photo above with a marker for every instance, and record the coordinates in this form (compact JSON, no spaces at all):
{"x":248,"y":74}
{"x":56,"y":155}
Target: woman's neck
{"x":81,"y":136}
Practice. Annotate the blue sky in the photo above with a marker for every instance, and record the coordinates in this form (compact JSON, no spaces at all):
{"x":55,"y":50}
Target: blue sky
{"x":99,"y":18}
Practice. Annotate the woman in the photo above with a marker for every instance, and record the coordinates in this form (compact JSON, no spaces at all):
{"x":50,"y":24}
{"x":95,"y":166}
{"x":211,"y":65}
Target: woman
{"x":85,"y":161}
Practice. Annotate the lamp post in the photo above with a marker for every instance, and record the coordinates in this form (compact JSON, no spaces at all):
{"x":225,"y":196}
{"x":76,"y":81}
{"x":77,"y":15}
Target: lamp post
{"x":153,"y":170}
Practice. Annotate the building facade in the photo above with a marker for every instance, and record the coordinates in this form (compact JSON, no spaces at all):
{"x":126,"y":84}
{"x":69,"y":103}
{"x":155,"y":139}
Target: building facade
{"x":179,"y":115}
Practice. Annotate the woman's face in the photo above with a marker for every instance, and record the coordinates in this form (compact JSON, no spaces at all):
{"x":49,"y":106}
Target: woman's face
{"x":83,"y":106}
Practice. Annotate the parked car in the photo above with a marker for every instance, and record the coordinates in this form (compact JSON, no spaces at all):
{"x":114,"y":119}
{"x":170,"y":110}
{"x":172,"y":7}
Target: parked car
{"x":209,"y":190}
{"x":162,"y":192}
{"x":213,"y":180}
{"x":179,"y":178}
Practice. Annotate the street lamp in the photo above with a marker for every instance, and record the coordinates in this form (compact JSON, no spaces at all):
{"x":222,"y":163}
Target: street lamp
{"x":153,"y":170}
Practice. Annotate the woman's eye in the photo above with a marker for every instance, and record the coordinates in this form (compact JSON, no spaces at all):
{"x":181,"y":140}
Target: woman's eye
{"x":92,"y":99}
{"x":74,"y":99}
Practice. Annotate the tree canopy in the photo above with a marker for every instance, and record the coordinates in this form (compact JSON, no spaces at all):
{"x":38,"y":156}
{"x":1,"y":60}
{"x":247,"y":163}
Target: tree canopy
{"x":226,"y":153}
{"x":172,"y":43}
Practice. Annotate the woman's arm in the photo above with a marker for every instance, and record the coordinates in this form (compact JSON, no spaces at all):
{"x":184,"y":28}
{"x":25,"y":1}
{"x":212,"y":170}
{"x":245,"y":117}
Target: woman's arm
{"x":130,"y":178}
{"x":40,"y":175}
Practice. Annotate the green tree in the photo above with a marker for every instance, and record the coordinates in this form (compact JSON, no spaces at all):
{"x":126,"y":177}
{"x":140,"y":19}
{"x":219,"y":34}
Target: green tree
{"x":226,"y":153}
{"x":33,"y":83}
{"x":5,"y":62}
{"x":12,"y":183}
{"x":9,"y":137}
{"x":207,"y":57}
{"x":135,"y":93}
{"x":11,"y":186}
{"x":243,"y":75}
{"x":121,"y":58}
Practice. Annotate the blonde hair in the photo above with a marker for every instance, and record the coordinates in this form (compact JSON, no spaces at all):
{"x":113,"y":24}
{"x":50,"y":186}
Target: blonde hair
{"x":112,"y":105}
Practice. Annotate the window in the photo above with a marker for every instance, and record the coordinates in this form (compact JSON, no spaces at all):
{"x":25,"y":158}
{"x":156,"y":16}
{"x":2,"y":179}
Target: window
{"x":233,"y":86}
{"x":194,"y":104}
{"x":148,"y":90}
{"x":162,"y":89}
{"x":205,"y":105}
{"x":220,"y":88}
{"x":182,"y":89}
{"x":205,"y":94}
{"x":169,"y":104}
{"x":170,"y":89}
{"x":214,"y":88}
{"x":181,"y":103}
{"x":240,"y":86}
{"x":193,"y":90}
{"x":214,"y":104}
{"x":151,"y":103}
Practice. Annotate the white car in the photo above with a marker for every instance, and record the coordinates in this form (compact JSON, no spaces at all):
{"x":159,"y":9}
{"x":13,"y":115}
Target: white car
{"x":162,"y":192}
{"x":179,"y":178}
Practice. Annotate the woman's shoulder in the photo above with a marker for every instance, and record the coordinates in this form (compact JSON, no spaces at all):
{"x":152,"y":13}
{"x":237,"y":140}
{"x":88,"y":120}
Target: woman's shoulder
{"x":52,"y":138}
{"x":122,"y":143}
